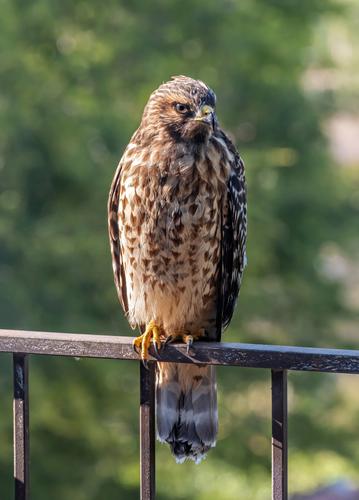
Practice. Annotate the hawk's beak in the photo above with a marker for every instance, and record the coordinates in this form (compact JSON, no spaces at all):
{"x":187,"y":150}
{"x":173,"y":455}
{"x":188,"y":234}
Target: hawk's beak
{"x":205,"y":115}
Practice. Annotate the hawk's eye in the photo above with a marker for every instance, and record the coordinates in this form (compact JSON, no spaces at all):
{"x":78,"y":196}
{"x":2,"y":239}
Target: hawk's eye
{"x":181,"y":108}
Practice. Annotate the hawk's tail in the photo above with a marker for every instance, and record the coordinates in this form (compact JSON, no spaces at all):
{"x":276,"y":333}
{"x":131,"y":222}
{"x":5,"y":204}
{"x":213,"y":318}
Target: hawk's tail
{"x":186,"y":404}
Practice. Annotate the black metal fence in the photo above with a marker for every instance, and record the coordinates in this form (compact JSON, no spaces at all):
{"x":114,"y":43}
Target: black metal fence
{"x":278,"y":359}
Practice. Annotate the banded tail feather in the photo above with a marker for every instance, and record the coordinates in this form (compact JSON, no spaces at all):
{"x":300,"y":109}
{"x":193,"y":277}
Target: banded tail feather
{"x":186,"y":407}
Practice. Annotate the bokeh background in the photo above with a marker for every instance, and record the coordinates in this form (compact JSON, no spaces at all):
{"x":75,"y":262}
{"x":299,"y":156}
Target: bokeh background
{"x":74,"y":79}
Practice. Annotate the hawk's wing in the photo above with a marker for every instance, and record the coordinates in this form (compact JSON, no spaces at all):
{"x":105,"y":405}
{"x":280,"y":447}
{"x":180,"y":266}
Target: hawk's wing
{"x":233,"y":245}
{"x":113,"y":229}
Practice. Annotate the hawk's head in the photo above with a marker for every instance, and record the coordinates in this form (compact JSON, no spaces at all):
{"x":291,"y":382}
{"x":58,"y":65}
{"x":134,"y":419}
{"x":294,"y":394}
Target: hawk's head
{"x":184,"y":107}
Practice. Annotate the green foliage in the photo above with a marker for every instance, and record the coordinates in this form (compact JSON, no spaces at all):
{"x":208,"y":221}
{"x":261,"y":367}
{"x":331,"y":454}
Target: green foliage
{"x":74,"y":79}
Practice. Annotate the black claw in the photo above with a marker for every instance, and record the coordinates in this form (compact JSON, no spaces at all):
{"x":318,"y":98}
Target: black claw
{"x":155,"y":348}
{"x":145,"y":363}
{"x":189,"y":345}
{"x":134,"y":347}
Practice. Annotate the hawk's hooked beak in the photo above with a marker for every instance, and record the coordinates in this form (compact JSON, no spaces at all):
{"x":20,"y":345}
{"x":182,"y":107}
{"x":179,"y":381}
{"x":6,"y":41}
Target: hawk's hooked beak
{"x":205,"y":115}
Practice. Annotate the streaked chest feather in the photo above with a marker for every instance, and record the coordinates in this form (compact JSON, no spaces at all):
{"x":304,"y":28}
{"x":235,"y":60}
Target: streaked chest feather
{"x":169,"y":215}
{"x":169,"y":218}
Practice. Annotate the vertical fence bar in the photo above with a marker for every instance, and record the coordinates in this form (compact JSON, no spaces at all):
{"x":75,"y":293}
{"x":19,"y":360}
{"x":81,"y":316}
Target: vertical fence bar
{"x":21,"y":426}
{"x":147,"y":431}
{"x":279,"y":435}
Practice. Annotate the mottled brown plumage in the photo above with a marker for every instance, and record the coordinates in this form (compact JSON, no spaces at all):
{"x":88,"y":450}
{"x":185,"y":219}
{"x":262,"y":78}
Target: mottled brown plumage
{"x":177,"y":222}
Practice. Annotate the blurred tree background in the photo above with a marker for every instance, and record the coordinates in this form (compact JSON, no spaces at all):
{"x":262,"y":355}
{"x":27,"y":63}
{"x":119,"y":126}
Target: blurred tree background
{"x":74,"y":79}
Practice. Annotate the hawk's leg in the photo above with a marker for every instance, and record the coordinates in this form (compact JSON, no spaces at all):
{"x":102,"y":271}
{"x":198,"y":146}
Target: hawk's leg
{"x":143,"y":342}
{"x":187,"y":337}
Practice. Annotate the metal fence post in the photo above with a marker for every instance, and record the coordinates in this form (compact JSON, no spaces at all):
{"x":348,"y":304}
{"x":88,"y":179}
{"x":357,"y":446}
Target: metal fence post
{"x":147,"y":431}
{"x":279,"y":435}
{"x":21,"y":426}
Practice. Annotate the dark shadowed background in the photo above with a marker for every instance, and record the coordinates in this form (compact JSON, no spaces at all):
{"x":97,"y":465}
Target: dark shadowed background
{"x":74,"y":79}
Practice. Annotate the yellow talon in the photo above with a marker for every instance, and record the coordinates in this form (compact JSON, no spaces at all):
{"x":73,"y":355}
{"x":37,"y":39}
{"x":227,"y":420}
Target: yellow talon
{"x":143,"y":342}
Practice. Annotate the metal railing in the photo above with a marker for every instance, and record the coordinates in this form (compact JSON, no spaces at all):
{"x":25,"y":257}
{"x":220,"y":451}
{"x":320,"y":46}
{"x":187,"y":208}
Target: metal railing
{"x":279,"y":359}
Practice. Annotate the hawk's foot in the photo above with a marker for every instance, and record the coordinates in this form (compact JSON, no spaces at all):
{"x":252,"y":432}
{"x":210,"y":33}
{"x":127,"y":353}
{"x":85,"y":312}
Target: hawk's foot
{"x":186,"y":337}
{"x":142,"y":343}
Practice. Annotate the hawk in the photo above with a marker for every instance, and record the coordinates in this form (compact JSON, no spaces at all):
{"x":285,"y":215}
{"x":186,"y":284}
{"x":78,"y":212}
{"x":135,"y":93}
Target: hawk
{"x":177,"y":226}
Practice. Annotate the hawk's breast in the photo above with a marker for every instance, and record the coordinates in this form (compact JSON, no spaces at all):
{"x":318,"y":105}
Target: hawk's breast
{"x":170,"y":229}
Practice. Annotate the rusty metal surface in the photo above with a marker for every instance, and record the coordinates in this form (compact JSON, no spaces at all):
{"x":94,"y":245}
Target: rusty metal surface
{"x":147,"y":431}
{"x":279,"y":436}
{"x":246,"y":355}
{"x":21,"y":426}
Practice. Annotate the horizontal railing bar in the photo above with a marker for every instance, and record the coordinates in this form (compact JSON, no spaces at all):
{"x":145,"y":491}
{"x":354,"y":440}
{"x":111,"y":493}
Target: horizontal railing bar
{"x":215,"y":353}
